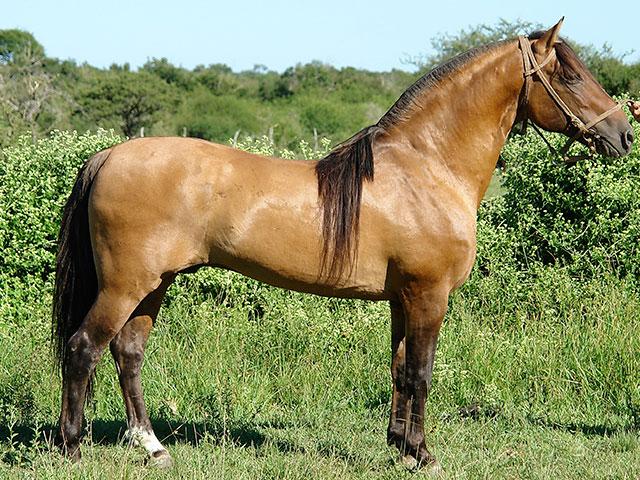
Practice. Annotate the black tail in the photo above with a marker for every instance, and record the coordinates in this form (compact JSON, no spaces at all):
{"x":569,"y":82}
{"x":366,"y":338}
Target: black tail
{"x":76,"y":283}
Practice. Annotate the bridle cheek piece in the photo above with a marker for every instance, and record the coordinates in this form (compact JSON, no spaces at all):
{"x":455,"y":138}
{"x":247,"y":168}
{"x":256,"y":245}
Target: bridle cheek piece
{"x":532,"y":67}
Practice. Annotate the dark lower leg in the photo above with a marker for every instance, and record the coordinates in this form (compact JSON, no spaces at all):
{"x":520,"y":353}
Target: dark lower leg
{"x":418,"y":383}
{"x":127,"y":349}
{"x":423,"y":312}
{"x":81,"y":362}
{"x":398,"y":397}
{"x":85,"y":348}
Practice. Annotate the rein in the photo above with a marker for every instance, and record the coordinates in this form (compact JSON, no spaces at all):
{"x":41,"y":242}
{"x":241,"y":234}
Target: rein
{"x":531,"y":68}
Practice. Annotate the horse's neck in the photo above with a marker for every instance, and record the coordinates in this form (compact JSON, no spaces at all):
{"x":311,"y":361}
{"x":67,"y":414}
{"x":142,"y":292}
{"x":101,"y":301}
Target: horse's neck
{"x":462,"y":123}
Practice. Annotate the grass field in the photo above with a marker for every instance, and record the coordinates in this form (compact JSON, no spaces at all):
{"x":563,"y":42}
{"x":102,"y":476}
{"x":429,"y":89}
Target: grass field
{"x":535,"y":378}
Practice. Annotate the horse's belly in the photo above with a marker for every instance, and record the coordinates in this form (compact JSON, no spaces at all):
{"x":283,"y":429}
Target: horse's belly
{"x":353,"y":287}
{"x":288,"y":254}
{"x":285,"y":265}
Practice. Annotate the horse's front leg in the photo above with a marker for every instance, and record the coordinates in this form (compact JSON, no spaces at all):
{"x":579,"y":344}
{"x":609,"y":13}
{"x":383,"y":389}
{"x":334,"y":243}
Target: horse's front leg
{"x":415,"y":331}
{"x":398,"y":397}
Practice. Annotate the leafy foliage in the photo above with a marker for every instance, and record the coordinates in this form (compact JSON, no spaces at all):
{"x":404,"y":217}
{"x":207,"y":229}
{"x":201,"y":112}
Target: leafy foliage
{"x":122,"y":99}
{"x":205,"y":115}
{"x":16,"y":43}
{"x":213,"y":102}
{"x":614,"y":75}
{"x":585,"y":217}
{"x":36,"y":180}
{"x":29,"y":100}
{"x":609,"y":68}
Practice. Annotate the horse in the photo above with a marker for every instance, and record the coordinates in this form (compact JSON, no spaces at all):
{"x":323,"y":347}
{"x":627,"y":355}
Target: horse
{"x":388,"y":215}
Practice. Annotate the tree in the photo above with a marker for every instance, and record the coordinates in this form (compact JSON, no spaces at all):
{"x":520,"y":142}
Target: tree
{"x":218,"y":78}
{"x":616,"y":77}
{"x":609,"y":68}
{"x":273,"y":86}
{"x":18,"y":43}
{"x":118,"y":98}
{"x":217,"y":117}
{"x":447,"y":45}
{"x":169,"y":73}
{"x":26,"y":89}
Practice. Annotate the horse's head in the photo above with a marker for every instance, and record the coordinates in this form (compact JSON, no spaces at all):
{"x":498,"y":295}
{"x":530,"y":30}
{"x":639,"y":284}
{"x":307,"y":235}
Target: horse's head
{"x":561,"y":95}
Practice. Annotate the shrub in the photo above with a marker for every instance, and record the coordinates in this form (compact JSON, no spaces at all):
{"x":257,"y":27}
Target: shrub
{"x":36,"y":181}
{"x":585,"y":216}
{"x":332,"y":117}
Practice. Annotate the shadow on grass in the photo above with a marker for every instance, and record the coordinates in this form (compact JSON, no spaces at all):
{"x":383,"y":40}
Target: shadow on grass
{"x":480,"y":412}
{"x":587,"y":430}
{"x":171,"y":432}
{"x":242,"y":435}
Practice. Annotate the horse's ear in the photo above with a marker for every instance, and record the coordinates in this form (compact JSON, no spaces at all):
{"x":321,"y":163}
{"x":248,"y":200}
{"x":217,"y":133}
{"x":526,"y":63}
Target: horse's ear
{"x":545,"y":43}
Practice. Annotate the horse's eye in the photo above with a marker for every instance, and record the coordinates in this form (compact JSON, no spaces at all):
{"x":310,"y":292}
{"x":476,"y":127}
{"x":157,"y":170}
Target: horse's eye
{"x":569,"y":76}
{"x":572,"y":79}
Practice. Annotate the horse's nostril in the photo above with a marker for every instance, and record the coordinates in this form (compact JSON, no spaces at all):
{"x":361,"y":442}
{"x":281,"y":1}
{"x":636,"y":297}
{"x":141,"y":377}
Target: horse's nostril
{"x":627,"y":139}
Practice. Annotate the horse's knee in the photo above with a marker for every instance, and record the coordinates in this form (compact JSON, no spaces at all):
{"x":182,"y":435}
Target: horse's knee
{"x":127,"y":347}
{"x":128,"y":355}
{"x":82,"y":354}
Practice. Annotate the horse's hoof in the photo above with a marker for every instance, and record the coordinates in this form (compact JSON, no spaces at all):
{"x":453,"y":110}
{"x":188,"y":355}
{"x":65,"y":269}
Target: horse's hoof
{"x":160,"y":459}
{"x":72,"y":455}
{"x":409,"y":461}
{"x":432,"y":469}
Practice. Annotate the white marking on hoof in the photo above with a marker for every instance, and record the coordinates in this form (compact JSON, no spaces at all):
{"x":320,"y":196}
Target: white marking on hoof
{"x":158,"y":455}
{"x":433,"y":469}
{"x":161,"y":459}
{"x":409,"y":461}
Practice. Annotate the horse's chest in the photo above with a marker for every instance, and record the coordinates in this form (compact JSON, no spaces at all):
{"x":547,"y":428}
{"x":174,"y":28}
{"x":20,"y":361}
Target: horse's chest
{"x":444,"y":247}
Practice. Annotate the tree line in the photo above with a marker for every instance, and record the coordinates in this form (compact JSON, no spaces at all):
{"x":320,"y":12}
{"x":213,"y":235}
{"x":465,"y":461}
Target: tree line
{"x":39,"y":93}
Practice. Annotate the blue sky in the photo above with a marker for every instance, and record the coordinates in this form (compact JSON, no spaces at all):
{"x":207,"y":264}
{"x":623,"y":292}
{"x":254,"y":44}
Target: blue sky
{"x":369,"y":34}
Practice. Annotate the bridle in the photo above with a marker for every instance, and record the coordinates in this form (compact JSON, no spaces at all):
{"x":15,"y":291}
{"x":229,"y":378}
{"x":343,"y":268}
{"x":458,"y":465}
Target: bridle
{"x":531,"y":68}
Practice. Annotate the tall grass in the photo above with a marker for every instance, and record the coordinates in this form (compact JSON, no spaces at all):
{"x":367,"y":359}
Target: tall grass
{"x":245,"y":369}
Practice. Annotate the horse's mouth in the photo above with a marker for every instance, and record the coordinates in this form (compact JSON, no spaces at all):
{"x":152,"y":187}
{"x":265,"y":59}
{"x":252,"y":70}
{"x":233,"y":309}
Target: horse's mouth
{"x":608,"y":149}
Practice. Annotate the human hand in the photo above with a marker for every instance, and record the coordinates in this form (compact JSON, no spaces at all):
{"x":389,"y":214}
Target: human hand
{"x":635,"y":109}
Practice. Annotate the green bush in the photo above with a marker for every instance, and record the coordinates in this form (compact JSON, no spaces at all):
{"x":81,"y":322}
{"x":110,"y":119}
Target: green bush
{"x":332,"y":117}
{"x":124,"y":100}
{"x":585,"y":216}
{"x":36,"y":179}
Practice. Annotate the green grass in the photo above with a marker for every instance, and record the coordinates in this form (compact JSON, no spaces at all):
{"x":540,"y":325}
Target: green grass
{"x":343,"y":450}
{"x":534,"y":378}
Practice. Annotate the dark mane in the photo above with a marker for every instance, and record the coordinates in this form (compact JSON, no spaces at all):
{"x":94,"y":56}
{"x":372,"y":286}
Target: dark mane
{"x":407,"y":101}
{"x":340,"y":176}
{"x":342,"y":172}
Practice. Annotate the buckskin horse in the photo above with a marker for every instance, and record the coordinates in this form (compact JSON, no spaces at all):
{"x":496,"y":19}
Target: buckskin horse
{"x":390,"y":214}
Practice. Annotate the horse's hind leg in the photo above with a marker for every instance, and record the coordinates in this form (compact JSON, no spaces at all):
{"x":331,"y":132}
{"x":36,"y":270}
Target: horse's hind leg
{"x":127,"y":349}
{"x":104,"y":320}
